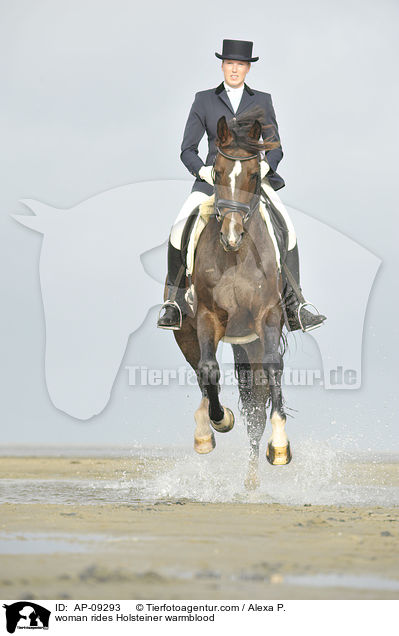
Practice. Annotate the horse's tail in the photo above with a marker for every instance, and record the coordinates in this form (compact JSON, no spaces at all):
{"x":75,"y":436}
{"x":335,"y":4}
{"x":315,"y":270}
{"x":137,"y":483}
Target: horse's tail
{"x":242,"y":371}
{"x":241,"y":368}
{"x":283,"y":343}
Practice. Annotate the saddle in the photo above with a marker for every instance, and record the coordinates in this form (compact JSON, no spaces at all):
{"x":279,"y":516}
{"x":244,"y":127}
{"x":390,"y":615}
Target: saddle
{"x":188,"y":236}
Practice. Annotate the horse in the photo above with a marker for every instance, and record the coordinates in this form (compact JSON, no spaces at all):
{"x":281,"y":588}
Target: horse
{"x":238,"y":289}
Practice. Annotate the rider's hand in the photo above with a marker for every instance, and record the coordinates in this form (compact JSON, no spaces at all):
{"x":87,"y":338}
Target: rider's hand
{"x":264,"y":168}
{"x":206,"y":174}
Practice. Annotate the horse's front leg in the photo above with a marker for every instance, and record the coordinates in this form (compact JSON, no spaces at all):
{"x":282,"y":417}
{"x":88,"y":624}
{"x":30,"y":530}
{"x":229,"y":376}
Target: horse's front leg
{"x":186,"y":338}
{"x":204,"y":439}
{"x":278,"y":449}
{"x":209,"y":332}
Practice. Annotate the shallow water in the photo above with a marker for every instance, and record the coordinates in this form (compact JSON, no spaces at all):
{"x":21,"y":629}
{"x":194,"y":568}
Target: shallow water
{"x":344,"y":580}
{"x":318,"y":475}
{"x":41,"y":543}
{"x":30,"y":543}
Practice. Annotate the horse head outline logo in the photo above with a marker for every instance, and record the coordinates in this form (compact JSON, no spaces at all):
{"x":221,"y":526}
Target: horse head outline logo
{"x":27,"y":615}
{"x":102,"y":266}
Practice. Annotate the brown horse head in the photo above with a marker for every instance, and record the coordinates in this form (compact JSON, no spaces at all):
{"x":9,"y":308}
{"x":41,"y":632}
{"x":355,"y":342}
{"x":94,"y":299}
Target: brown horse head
{"x":237,"y":177}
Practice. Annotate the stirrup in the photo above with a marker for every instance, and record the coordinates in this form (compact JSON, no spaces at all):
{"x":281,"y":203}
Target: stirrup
{"x":311,"y":327}
{"x":172,"y":327}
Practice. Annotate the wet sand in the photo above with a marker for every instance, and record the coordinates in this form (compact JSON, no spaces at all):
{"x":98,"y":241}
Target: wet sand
{"x":184,"y":550}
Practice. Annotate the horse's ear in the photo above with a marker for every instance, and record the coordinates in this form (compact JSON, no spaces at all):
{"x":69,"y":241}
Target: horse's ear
{"x":255,"y":131}
{"x":223,"y":131}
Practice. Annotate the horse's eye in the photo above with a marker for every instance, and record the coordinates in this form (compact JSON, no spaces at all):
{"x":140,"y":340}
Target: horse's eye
{"x":217,"y":174}
{"x":254,"y":175}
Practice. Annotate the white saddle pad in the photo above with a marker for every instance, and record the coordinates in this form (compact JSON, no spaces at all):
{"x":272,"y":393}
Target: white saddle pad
{"x":206,"y":209}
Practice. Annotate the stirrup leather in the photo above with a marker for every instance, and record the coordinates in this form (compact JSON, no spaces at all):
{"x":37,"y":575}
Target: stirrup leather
{"x":174,"y":304}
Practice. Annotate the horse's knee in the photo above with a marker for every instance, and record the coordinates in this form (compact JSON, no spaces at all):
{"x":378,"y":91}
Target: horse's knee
{"x":208,"y":372}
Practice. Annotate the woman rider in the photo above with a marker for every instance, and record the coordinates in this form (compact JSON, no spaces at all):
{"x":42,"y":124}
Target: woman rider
{"x":231,"y":98}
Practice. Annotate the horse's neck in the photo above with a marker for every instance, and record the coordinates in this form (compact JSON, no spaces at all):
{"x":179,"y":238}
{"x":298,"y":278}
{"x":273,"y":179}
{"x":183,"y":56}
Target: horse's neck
{"x":262,"y":237}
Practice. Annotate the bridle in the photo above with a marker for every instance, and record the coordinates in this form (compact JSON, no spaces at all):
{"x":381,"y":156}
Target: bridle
{"x":243,"y":208}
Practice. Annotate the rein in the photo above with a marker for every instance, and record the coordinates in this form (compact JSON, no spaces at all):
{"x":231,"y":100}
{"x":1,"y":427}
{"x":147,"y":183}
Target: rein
{"x":246,"y":209}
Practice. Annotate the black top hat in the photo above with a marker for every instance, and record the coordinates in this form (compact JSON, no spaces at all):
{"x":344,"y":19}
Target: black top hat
{"x":237,"y":50}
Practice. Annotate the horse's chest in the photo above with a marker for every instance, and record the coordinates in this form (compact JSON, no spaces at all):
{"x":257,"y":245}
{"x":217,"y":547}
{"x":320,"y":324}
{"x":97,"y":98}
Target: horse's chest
{"x":235,"y":291}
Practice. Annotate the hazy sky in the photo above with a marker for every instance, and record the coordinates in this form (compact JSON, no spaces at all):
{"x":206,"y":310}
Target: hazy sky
{"x":96,"y":94}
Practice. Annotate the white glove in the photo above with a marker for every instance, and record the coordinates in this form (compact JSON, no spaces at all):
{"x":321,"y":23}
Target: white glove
{"x":206,"y":174}
{"x":264,"y":168}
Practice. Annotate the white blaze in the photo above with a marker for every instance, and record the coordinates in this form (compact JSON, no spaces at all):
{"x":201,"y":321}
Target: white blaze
{"x":233,"y":175}
{"x":230,"y":234}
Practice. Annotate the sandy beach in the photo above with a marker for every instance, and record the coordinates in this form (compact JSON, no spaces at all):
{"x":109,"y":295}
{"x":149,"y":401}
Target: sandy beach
{"x":177,"y":549}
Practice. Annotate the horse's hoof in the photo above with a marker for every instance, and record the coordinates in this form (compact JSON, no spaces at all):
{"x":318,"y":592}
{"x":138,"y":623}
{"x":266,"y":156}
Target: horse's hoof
{"x":278,"y":455}
{"x":252,"y":482}
{"x":226,"y":424}
{"x":203,"y":445}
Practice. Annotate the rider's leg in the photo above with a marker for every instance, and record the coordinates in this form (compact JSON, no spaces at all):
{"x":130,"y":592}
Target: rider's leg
{"x":295,"y":313}
{"x":193,"y":200}
{"x":291,"y":300}
{"x":174,"y":305}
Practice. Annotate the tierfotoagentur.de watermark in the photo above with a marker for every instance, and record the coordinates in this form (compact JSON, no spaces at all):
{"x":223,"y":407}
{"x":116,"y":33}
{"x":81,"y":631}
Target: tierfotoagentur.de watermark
{"x":185,"y":376}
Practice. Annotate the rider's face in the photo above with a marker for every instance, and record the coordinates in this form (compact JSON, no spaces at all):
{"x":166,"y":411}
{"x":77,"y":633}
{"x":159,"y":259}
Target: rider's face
{"x":235,"y":72}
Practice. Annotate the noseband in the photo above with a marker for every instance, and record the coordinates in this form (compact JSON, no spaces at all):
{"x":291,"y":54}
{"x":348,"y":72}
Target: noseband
{"x":243,"y":208}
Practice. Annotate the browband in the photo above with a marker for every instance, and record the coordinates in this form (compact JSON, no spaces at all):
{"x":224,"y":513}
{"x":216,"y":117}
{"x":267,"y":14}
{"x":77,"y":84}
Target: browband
{"x":237,"y":158}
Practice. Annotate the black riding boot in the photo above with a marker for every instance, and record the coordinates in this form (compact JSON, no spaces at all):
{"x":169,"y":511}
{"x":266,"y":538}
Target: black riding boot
{"x":174,"y":306}
{"x":298,"y":317}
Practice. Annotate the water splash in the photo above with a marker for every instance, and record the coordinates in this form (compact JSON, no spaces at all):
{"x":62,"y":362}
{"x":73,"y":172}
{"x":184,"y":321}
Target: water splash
{"x":319,"y":475}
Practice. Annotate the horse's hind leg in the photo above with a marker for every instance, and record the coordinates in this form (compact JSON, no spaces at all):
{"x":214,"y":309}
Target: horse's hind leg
{"x":204,"y":439}
{"x":253,"y":390}
{"x":209,"y":333}
{"x":278,"y":450}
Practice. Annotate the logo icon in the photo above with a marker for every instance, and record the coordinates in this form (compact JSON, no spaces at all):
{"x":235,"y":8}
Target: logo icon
{"x":26,"y":615}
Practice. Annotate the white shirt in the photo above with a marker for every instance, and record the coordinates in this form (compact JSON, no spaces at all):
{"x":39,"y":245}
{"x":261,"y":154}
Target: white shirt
{"x":234,"y":95}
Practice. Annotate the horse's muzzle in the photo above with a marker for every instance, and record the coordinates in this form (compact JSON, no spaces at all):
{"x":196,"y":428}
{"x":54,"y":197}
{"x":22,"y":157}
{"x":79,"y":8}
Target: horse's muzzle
{"x":231,"y":245}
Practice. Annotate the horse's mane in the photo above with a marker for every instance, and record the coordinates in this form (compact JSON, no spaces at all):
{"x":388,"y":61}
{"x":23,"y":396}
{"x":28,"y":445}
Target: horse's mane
{"x":240,"y":126}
